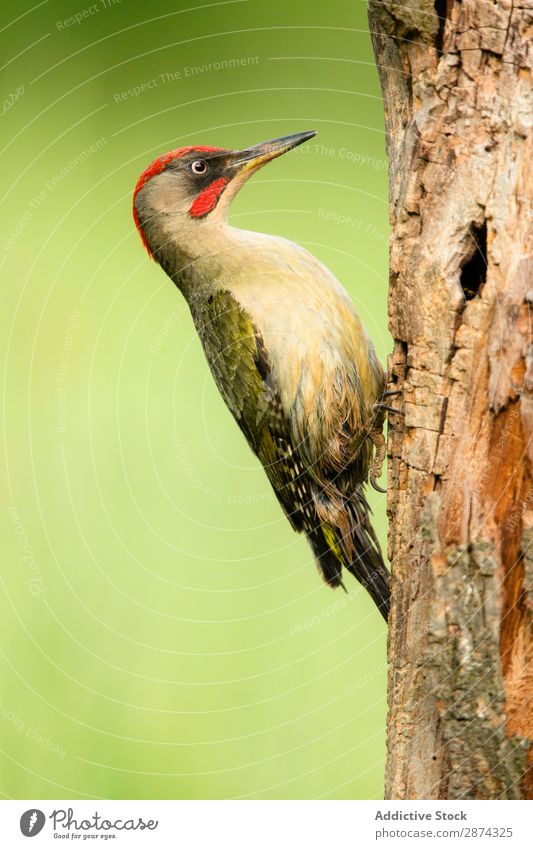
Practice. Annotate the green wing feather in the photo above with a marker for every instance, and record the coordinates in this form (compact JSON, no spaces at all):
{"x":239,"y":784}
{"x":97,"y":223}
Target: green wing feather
{"x":239,"y":363}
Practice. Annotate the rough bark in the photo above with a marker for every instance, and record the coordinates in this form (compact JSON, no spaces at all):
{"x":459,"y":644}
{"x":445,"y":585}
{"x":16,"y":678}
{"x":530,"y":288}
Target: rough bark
{"x":456,"y":84}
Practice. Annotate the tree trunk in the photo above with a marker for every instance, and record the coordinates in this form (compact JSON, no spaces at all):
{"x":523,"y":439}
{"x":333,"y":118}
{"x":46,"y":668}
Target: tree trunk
{"x":456,"y":85}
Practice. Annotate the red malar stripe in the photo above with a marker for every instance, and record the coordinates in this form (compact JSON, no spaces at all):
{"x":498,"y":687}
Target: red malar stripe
{"x":208,"y":198}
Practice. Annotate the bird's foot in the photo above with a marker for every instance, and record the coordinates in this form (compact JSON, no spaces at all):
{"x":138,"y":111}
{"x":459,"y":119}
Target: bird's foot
{"x":375,"y":434}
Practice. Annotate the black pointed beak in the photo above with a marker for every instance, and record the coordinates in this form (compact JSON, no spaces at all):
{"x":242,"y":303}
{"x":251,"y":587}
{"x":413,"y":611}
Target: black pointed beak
{"x":253,"y":157}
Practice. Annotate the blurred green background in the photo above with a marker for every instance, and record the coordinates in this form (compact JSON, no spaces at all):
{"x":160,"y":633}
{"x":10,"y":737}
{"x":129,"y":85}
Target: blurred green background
{"x":164,"y":633}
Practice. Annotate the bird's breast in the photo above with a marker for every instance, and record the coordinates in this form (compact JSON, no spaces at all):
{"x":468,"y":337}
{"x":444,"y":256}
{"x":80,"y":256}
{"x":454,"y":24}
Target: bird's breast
{"x":316,"y":342}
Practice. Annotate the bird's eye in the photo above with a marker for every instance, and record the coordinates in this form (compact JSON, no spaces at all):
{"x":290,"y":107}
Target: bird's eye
{"x":199,"y":166}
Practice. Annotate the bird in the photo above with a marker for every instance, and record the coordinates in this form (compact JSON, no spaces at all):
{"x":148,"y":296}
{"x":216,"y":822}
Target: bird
{"x":286,"y":348}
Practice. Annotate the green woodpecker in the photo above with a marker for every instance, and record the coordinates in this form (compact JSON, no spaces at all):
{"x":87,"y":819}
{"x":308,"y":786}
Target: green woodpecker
{"x":285,"y":346}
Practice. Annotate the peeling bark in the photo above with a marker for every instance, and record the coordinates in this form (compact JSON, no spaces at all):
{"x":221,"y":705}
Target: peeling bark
{"x":456,"y":80}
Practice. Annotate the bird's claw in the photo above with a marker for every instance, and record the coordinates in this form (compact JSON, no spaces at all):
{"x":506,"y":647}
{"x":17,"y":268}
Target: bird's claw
{"x":376,"y":486}
{"x":379,"y":406}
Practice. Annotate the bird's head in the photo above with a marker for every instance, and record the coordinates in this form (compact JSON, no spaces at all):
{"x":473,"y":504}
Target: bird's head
{"x":183,"y":192}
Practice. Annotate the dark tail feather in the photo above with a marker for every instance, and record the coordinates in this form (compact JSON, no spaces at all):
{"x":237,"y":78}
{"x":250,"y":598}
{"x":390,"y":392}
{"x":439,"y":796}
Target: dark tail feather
{"x":367,"y":564}
{"x":375,"y":578}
